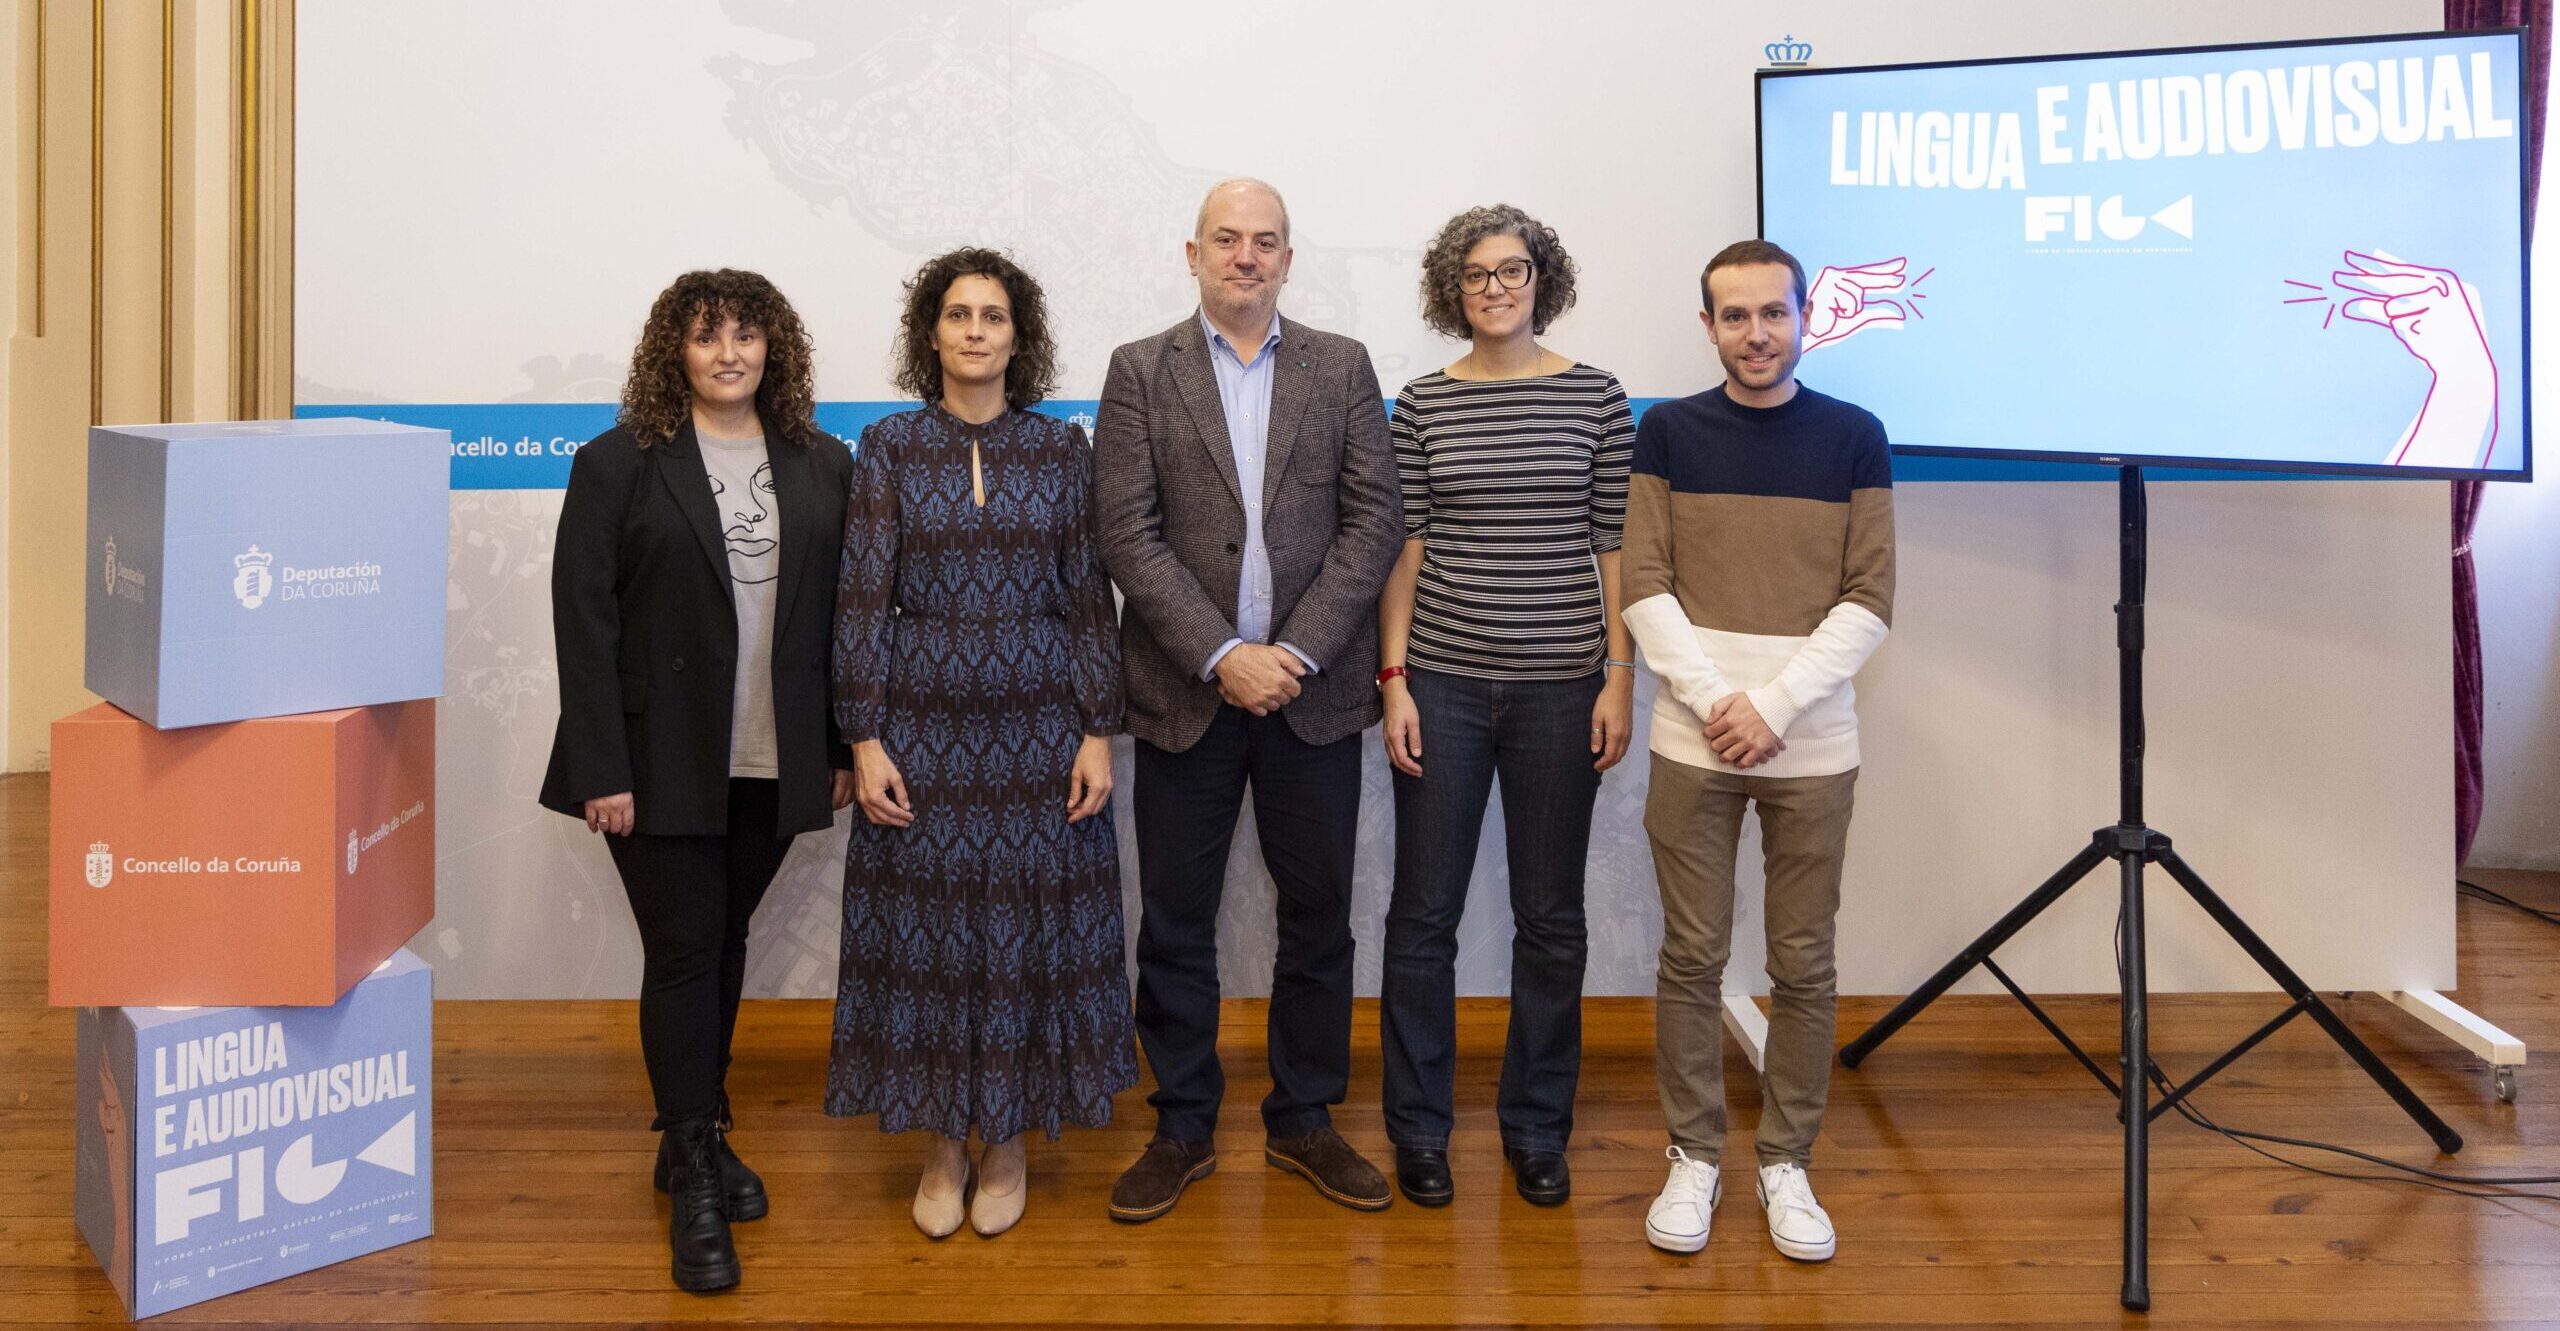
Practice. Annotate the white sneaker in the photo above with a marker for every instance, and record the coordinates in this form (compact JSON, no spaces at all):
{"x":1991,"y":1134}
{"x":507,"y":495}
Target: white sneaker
{"x":1678,"y":1219}
{"x":1797,"y":1223}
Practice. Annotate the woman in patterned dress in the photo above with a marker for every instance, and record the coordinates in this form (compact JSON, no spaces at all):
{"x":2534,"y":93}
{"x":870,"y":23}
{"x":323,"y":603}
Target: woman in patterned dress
{"x":977,"y":676}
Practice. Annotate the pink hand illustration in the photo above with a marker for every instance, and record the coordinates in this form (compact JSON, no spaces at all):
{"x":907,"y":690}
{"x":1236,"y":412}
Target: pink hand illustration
{"x":1844,"y":301}
{"x":2436,"y":315}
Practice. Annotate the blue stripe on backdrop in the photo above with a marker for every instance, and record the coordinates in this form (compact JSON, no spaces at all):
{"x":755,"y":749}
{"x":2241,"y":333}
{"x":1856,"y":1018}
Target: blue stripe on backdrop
{"x":527,"y":445}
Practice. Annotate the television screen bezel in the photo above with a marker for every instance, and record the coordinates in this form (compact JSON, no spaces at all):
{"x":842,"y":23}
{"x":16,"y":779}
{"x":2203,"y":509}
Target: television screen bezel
{"x":2524,"y":257}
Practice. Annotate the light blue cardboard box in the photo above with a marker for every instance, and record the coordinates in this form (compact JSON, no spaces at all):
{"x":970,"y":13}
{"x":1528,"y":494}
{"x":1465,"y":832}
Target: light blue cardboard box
{"x":224,"y":1147}
{"x":265,"y":568}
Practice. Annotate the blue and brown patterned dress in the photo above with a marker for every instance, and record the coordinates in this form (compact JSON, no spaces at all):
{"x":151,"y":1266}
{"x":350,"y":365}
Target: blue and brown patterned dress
{"x":983,"y":979}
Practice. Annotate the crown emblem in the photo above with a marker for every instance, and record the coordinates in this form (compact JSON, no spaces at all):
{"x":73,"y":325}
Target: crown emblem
{"x":252,"y":581}
{"x":97,"y":848}
{"x":100,"y":869}
{"x":1787,"y":51}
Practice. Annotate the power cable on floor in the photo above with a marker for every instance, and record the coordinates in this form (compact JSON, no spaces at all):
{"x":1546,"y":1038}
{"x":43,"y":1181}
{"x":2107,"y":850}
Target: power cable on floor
{"x":2496,"y":898}
{"x":2470,"y":1185}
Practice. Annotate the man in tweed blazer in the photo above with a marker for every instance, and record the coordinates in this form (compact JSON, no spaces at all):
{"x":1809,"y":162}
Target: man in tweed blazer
{"x":1246,"y":503}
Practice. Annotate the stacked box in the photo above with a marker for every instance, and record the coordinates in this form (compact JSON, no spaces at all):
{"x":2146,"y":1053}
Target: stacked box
{"x":224,"y":1147}
{"x":271,"y":861}
{"x":243,"y":836}
{"x":265,"y":568}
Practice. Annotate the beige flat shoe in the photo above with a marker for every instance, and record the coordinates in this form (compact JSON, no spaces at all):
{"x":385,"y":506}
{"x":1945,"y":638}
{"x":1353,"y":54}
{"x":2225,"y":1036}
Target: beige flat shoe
{"x":940,"y":1217}
{"x":992,"y":1213}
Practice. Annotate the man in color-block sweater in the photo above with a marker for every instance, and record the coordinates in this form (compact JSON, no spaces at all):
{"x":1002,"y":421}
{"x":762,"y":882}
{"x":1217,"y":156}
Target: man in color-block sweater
{"x":1759,"y":567}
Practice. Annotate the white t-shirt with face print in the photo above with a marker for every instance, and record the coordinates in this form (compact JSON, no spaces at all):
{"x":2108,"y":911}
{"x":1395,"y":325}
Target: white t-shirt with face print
{"x":741,"y":475}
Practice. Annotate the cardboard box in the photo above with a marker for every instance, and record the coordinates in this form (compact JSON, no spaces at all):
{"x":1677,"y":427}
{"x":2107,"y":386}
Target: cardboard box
{"x":220,"y":1148}
{"x":263,"y":568}
{"x":272,"y":861}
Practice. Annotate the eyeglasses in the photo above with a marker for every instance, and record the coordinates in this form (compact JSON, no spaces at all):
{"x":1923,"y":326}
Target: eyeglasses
{"x":1513,"y":274}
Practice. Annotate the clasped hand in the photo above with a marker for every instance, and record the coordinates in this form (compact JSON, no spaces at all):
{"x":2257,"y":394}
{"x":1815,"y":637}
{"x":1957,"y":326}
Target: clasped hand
{"x":1736,"y":733}
{"x":1258,"y":678}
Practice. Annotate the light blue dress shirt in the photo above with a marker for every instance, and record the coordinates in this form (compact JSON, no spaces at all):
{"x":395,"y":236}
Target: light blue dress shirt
{"x":1244,"y":392}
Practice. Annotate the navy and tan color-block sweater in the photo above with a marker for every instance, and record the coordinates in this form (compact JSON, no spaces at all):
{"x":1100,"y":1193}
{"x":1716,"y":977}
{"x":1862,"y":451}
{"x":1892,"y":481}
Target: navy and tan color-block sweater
{"x":1759,"y":560}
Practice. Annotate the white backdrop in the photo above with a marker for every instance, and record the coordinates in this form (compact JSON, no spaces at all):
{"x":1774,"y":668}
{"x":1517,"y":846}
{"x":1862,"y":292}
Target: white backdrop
{"x":489,"y":194}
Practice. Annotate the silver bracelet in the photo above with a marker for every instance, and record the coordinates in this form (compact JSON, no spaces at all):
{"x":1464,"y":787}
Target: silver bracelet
{"x":1622,"y":665}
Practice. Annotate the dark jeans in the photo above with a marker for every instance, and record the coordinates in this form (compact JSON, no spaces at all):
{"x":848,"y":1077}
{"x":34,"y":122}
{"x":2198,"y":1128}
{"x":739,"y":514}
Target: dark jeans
{"x":693,"y":896}
{"x":1306,"y":805}
{"x":1536,"y":735}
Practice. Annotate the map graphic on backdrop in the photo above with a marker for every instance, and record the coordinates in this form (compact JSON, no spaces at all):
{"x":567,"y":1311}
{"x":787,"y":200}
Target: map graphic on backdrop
{"x":883,"y":124}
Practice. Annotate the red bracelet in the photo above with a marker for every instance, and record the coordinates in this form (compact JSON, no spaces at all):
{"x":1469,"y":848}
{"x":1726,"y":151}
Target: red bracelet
{"x":1391,"y":672}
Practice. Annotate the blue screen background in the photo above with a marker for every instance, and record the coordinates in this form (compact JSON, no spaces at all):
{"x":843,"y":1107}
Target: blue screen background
{"x":2160,"y":346}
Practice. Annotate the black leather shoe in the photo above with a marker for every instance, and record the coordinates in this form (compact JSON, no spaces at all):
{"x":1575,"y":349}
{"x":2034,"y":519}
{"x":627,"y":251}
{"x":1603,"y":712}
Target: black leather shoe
{"x":1424,"y":1176}
{"x":1541,"y":1176}
{"x":738,"y":1183}
{"x":698,"y":1234}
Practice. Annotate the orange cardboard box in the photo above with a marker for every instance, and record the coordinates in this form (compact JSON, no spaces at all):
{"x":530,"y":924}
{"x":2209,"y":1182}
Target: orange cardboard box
{"x":275,"y":861}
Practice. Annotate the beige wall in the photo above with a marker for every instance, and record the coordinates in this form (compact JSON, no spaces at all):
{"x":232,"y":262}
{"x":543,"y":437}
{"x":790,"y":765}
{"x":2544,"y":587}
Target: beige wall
{"x":16,"y":57}
{"x":150,"y":146}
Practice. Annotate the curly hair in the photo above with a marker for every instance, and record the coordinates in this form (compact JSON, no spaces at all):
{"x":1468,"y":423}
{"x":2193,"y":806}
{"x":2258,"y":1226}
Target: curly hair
{"x":916,"y":367}
{"x":657,"y":398}
{"x":1444,"y":307}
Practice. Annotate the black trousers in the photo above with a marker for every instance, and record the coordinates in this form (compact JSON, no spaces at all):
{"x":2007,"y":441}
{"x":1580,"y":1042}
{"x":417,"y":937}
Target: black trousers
{"x":693,"y":896}
{"x":1306,"y":806}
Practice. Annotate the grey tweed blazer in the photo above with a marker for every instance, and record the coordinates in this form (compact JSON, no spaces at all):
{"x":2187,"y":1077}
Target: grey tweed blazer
{"x":1170,"y":520}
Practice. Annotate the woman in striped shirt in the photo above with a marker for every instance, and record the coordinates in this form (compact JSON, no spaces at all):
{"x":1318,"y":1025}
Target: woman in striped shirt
{"x":1501,"y":642}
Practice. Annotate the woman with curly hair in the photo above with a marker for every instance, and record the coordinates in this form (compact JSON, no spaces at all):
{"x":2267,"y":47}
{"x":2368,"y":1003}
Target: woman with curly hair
{"x":977,"y":665}
{"x":1501,"y":642}
{"x":691,"y":581}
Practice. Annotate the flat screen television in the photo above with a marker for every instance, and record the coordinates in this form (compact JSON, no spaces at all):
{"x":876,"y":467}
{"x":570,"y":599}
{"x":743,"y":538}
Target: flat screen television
{"x":2301,"y":256}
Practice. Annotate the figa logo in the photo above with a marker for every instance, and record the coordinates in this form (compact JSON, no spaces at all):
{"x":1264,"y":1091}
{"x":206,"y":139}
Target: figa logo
{"x":252,"y":579}
{"x":1788,"y":53}
{"x":102,"y":864}
{"x":2080,"y":217}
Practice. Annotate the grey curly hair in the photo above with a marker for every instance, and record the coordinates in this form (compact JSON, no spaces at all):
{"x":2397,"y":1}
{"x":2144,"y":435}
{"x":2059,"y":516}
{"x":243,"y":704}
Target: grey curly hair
{"x":1444,"y":306}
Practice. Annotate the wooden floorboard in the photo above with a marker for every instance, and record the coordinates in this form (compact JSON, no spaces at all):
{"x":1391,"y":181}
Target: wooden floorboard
{"x":1972,"y":1167}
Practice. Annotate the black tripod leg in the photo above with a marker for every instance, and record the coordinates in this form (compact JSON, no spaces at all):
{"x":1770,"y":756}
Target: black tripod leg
{"x":2136,"y":1055}
{"x":1973,"y":954}
{"x":2446,"y":1139}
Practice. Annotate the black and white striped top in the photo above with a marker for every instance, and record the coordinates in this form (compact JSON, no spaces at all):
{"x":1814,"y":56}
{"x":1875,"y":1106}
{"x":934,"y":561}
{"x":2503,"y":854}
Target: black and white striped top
{"x":1514,"y":486}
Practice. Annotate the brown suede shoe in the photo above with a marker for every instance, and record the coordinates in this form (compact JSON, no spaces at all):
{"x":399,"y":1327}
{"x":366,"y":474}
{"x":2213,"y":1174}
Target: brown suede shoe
{"x":1324,"y":1159}
{"x":1150,"y":1187}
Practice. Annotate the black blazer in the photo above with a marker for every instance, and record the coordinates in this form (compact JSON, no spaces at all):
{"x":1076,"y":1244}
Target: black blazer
{"x":647,"y":635}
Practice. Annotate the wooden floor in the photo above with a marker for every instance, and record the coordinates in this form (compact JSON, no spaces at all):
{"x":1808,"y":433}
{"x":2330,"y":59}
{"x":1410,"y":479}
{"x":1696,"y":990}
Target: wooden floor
{"x":1972,"y":1167}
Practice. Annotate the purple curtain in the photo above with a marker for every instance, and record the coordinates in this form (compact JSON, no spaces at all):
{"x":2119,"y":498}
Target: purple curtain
{"x":2467,"y":716}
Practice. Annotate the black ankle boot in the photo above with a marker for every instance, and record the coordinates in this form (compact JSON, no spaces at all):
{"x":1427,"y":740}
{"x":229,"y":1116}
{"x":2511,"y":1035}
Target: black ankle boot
{"x":743,"y":1188}
{"x":698,"y":1237}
